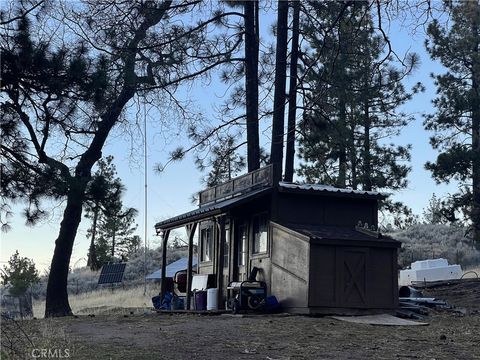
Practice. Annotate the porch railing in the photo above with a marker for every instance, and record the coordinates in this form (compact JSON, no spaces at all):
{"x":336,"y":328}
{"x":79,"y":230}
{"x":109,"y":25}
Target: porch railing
{"x":248,"y":182}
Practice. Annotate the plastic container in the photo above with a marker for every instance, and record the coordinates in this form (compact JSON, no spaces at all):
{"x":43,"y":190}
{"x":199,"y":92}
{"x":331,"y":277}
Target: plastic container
{"x":212,"y":303}
{"x":201,"y":300}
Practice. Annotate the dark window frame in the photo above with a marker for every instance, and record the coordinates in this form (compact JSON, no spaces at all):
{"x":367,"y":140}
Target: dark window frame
{"x":242,"y":250}
{"x":226,"y":247}
{"x":206,"y":228}
{"x":253,"y":237}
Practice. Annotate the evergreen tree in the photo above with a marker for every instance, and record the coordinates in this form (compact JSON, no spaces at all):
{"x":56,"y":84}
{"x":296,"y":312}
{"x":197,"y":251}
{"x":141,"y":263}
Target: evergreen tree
{"x":63,"y":94}
{"x":292,"y":93}
{"x":352,"y":103}
{"x":127,"y":246}
{"x":252,"y":40}
{"x":278,"y":119}
{"x":103,"y":194}
{"x":224,"y":163}
{"x":20,"y":273}
{"x":456,"y":123}
{"x":116,"y":227}
{"x":433,"y":213}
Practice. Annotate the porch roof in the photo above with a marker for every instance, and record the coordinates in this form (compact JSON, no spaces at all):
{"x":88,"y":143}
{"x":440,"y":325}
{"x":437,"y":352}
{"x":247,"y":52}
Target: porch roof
{"x":211,"y":209}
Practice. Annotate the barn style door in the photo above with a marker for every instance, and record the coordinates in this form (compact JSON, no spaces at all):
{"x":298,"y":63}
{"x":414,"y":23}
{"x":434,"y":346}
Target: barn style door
{"x":353,"y":277}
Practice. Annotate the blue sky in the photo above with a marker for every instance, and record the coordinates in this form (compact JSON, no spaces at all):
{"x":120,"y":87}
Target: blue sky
{"x":169,"y":192}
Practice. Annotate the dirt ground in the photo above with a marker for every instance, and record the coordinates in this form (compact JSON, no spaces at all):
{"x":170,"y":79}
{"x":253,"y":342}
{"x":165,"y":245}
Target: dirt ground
{"x":185,"y":336}
{"x":149,"y":335}
{"x":465,"y":294}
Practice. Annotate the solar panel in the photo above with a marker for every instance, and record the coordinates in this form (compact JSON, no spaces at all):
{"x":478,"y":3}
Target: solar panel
{"x":112,"y":273}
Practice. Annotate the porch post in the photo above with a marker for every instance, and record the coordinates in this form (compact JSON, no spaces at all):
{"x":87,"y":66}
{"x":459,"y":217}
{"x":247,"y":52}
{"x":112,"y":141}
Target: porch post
{"x":221,"y":251}
{"x":190,"y":233}
{"x":164,"y":262}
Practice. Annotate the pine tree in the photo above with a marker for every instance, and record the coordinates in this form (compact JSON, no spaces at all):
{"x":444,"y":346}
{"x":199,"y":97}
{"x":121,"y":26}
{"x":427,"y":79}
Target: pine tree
{"x":63,"y":94}
{"x":292,"y":93}
{"x":113,"y":225}
{"x":104,"y":189}
{"x":352,"y":103}
{"x":224,"y":163}
{"x":252,"y":39}
{"x":278,"y":120}
{"x":116,"y":227}
{"x":456,"y":123}
{"x":20,"y":273}
{"x":433,"y":213}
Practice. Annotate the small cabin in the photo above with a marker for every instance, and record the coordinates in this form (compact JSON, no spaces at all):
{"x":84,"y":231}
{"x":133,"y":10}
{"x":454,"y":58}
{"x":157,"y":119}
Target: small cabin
{"x":316,"y":247}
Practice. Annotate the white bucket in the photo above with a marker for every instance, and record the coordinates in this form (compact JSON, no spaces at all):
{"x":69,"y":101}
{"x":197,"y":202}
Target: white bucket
{"x":212,"y":303}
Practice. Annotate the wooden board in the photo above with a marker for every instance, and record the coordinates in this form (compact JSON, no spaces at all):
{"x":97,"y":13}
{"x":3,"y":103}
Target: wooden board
{"x":379,"y":319}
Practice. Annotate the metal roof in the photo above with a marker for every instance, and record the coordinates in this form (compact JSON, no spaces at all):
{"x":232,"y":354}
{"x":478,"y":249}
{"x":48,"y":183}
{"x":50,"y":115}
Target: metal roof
{"x":179,"y":265}
{"x":330,"y":189}
{"x":329,"y":232}
{"x":210,"y":209}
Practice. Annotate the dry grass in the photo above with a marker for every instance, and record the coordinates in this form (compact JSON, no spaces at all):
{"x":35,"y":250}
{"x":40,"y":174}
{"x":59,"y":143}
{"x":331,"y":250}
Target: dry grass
{"x":28,"y":339}
{"x":105,"y":301}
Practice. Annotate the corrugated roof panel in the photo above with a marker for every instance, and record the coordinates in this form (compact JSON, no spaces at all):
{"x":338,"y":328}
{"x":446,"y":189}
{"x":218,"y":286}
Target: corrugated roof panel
{"x":328,"y":188}
{"x":330,"y":232}
{"x":180,"y":264}
{"x":211,"y":208}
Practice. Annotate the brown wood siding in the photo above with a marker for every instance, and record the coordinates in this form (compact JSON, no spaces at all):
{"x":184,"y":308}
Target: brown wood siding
{"x":323,"y":210}
{"x":384,"y":282}
{"x":323,"y":276}
{"x":353,"y":277}
{"x":290,"y":268}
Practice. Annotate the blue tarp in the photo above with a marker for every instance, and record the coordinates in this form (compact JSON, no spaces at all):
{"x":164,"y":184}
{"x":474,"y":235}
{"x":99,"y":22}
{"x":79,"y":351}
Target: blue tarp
{"x":172,"y":268}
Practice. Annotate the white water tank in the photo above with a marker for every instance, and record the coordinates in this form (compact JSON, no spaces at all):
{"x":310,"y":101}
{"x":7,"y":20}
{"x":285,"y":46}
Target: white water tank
{"x":212,"y":299}
{"x":429,"y":264}
{"x":430,"y":270}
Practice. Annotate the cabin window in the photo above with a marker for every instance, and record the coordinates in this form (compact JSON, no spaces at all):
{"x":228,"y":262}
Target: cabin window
{"x":226,"y":248}
{"x":206,"y":237}
{"x":242,"y":245}
{"x":260,"y":233}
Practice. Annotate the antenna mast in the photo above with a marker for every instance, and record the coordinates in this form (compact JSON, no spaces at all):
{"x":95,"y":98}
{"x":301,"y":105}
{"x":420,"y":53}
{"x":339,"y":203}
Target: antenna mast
{"x":146,"y":203}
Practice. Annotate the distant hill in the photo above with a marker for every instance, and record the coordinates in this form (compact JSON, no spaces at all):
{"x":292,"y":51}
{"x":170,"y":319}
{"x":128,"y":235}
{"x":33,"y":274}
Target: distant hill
{"x":427,"y":241}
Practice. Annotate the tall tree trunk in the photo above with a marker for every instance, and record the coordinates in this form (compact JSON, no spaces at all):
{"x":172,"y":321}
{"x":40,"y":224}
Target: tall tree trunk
{"x":342,"y":149}
{"x":112,"y":253}
{"x":92,"y":261}
{"x":352,"y":151}
{"x":251,"y":84}
{"x":342,"y":108}
{"x":279,"y":95}
{"x":476,"y":161}
{"x":292,"y":95}
{"x":367,"y":166}
{"x":475,"y":214}
{"x":56,"y":303}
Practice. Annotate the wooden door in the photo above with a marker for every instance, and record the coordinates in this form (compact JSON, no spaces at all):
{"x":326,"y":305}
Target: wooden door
{"x":353,"y":279}
{"x":240,"y":250}
{"x":227,"y":259}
